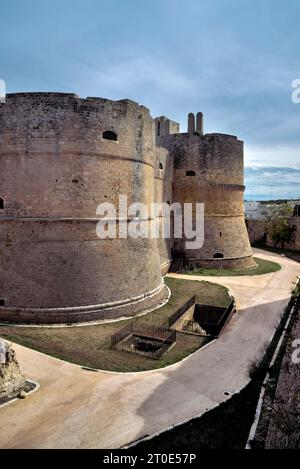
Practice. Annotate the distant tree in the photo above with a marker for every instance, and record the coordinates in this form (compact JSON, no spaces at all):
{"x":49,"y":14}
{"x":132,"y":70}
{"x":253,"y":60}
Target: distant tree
{"x":280,"y":231}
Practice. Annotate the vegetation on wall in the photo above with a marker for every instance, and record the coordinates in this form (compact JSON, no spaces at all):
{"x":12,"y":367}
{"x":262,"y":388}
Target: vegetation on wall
{"x":277,"y":210}
{"x":280,"y":231}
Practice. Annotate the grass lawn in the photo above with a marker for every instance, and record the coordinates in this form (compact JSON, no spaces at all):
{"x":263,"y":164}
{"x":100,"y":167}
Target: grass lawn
{"x":89,"y":346}
{"x":263,"y":267}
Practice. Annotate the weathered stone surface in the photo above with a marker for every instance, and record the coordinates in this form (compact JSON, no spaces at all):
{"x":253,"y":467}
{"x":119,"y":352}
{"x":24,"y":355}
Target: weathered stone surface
{"x":11,"y":379}
{"x":199,"y":123}
{"x":258,"y":231}
{"x":191,"y":123}
{"x":209,"y":169}
{"x":57,"y":165}
{"x":56,"y":168}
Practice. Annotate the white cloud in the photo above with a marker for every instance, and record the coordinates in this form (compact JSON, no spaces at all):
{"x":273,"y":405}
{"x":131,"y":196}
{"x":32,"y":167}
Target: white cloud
{"x":272,"y":182}
{"x":128,"y":75}
{"x":277,"y":155}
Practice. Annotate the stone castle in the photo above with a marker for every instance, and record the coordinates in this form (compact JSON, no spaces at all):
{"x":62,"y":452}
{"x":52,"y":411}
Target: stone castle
{"x":60,"y":157}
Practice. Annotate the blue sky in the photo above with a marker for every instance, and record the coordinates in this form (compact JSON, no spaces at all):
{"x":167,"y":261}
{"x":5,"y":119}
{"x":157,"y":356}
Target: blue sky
{"x":234,"y":60}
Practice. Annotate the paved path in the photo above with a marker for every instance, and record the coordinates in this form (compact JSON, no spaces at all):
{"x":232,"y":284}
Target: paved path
{"x":75,"y":408}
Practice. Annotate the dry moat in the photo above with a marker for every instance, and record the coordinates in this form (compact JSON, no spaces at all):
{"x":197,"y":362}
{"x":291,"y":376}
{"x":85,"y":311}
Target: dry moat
{"x":90,"y":346}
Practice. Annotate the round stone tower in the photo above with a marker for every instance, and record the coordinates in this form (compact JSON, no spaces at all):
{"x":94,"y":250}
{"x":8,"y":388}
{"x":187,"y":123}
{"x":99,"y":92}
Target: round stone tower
{"x":60,"y":157}
{"x":164,"y":194}
{"x":209,"y":169}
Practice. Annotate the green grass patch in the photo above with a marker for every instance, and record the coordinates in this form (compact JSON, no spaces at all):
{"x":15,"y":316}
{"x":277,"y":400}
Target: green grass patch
{"x":263,"y":267}
{"x":89,"y":346}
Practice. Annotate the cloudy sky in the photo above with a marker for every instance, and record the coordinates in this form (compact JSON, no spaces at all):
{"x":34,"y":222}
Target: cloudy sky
{"x":235,"y":60}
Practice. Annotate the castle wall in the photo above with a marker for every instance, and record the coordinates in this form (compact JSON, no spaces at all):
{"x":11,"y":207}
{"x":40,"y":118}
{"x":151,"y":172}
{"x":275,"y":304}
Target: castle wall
{"x":56,"y":142}
{"x":12,"y":382}
{"x":256,"y":230}
{"x":215,"y":164}
{"x":165,"y":126}
{"x":55,"y":169}
{"x":164,"y":194}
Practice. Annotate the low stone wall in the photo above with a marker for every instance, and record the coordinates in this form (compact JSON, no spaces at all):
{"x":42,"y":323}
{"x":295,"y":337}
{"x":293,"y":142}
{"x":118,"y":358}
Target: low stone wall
{"x":257,"y":230}
{"x":128,"y":308}
{"x":11,"y":379}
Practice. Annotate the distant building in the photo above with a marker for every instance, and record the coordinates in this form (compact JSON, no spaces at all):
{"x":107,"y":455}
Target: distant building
{"x":255,"y":210}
